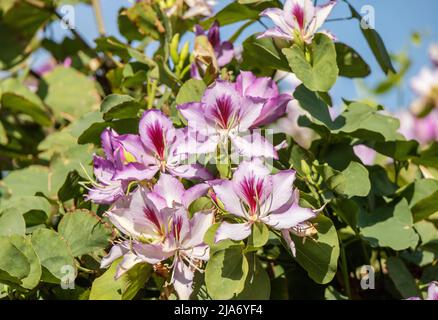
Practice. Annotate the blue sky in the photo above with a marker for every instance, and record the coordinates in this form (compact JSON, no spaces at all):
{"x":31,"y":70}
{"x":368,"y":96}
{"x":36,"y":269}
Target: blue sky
{"x":395,"y":20}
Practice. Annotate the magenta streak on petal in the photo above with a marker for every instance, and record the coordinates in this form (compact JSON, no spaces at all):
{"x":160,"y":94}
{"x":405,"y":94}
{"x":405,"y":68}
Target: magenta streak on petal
{"x":298,"y":13}
{"x":177,"y":225}
{"x":155,"y":132}
{"x":152,"y":217}
{"x":252,"y":189}
{"x":223,"y":111}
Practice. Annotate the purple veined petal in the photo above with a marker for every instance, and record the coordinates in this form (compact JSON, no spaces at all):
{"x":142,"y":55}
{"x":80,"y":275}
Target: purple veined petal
{"x":107,"y":140}
{"x":254,"y":145}
{"x":199,"y":224}
{"x":321,"y":14}
{"x":432,"y":291}
{"x":194,"y":193}
{"x":276,"y":32}
{"x":199,"y":31}
{"x":135,"y":171}
{"x":132,"y":148}
{"x":272,"y":110}
{"x":201,"y":252}
{"x":280,"y":19}
{"x":250,"y":111}
{"x":252,"y":183}
{"x":282,"y":193}
{"x":191,"y":171}
{"x":180,"y":229}
{"x":183,"y":280}
{"x":151,"y":253}
{"x":129,"y":261}
{"x":192,"y":111}
{"x":225,"y":53}
{"x":107,"y":194}
{"x":159,"y":202}
{"x":194,"y":72}
{"x":170,"y":188}
{"x":103,"y":169}
{"x":300,"y":12}
{"x":289,"y":241}
{"x":225,"y":193}
{"x":214,"y":36}
{"x":249,"y":85}
{"x":233,"y":231}
{"x":156,"y":132}
{"x":116,"y":252}
{"x":289,"y":218}
{"x":196,"y":143}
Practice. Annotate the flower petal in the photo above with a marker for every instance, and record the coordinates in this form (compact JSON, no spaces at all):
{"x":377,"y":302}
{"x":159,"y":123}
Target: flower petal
{"x":282,"y":191}
{"x":233,"y":231}
{"x":194,"y":193}
{"x":289,"y":241}
{"x":225,"y":193}
{"x":199,"y":225}
{"x":170,"y":189}
{"x":116,"y":252}
{"x":289,"y":218}
{"x":183,"y":280}
{"x":254,"y":145}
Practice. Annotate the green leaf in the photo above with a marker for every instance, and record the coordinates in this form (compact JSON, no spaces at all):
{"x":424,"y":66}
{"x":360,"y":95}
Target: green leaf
{"x":84,"y":232}
{"x":12,"y":222}
{"x":322,"y":72}
{"x":35,"y":210}
{"x":92,"y":134}
{"x":25,"y":246}
{"x":262,"y":57}
{"x":117,"y":106}
{"x":353,"y":181}
{"x":365,"y":122}
{"x":375,"y":43}
{"x":135,"y":279}
{"x":319,"y":257}
{"x":236,"y":12}
{"x":402,"y":278}
{"x":257,"y":285}
{"x":106,"y":287}
{"x":226,"y":273}
{"x":259,"y":235}
{"x":191,"y":91}
{"x":422,"y":198}
{"x":389,"y":226}
{"x":350,"y":63}
{"x":69,"y":93}
{"x":19,"y":99}
{"x":17,"y":182}
{"x":427,"y":231}
{"x":14,"y":265}
{"x":54,"y":254}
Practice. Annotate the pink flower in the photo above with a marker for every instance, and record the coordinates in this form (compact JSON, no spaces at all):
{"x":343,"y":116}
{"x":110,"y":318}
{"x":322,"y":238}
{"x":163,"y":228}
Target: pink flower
{"x":298,"y":18}
{"x":255,"y":196}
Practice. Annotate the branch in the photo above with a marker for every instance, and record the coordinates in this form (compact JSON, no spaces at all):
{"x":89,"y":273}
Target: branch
{"x":99,"y":18}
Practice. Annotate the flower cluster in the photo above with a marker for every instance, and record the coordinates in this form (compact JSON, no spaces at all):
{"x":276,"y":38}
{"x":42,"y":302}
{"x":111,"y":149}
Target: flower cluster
{"x":141,"y":178}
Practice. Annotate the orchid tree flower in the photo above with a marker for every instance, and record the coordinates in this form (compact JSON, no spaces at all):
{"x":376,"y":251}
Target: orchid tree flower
{"x":195,"y":8}
{"x":223,"y":115}
{"x":299,"y":18}
{"x":223,"y":50}
{"x":198,"y":8}
{"x":432,"y":292}
{"x":255,"y":196}
{"x":122,"y":153}
{"x":265,"y":89}
{"x":158,"y":224}
{"x":424,"y":130}
{"x":161,"y":141}
{"x":425,"y":86}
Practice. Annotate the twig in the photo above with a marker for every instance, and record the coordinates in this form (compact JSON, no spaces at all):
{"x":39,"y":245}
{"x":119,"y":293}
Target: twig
{"x":99,"y":18}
